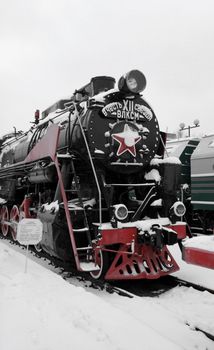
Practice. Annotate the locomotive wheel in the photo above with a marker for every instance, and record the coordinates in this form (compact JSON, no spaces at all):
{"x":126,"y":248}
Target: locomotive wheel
{"x":4,"y":217}
{"x":103,"y":263}
{"x":14,"y":219}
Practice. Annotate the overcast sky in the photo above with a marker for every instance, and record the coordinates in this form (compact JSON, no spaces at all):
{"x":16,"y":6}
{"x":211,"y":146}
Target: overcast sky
{"x":51,"y":47}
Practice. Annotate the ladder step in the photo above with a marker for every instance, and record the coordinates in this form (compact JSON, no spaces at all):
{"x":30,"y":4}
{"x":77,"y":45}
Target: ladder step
{"x":64,"y":156}
{"x":88,"y":266}
{"x":74,"y":208}
{"x":84,"y":248}
{"x":84,"y":229}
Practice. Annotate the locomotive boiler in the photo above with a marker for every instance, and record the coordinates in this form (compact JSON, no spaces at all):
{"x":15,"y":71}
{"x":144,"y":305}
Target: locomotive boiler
{"x":92,"y":170}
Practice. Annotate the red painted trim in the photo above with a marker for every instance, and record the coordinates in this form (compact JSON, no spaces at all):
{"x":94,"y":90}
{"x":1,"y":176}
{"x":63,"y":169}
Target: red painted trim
{"x":46,"y":147}
{"x":144,"y":263}
{"x":134,"y":260}
{"x":126,"y":235}
{"x":198,"y":257}
{"x":181,"y":230}
{"x":118,"y":235}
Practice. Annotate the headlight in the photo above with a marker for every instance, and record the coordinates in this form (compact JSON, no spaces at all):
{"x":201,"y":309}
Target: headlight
{"x":133,"y":81}
{"x":179,"y":208}
{"x":120,"y":212}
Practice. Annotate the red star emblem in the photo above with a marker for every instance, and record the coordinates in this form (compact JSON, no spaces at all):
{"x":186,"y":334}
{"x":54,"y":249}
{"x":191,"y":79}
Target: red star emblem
{"x":127,"y":140}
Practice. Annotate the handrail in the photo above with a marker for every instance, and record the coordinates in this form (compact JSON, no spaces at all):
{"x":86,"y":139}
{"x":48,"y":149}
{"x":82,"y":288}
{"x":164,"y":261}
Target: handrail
{"x":144,"y":203}
{"x":145,"y":184}
{"x":92,"y":164}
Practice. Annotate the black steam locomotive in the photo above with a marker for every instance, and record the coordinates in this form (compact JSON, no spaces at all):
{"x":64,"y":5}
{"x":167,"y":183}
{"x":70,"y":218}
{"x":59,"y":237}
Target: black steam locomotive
{"x":92,"y":170}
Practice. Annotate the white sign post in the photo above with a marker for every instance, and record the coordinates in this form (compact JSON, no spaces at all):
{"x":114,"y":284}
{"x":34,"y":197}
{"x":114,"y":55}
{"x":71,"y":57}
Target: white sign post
{"x":29,"y":232}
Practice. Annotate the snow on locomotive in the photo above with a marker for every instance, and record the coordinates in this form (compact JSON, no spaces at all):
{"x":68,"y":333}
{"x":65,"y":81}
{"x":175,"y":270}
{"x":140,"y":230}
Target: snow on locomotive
{"x":92,"y":170}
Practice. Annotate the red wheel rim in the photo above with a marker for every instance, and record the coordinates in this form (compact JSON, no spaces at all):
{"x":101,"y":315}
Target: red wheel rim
{"x":14,"y":219}
{"x":4,"y":217}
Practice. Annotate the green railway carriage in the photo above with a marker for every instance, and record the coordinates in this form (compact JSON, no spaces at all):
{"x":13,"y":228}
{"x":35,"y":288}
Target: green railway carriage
{"x":197,"y":180}
{"x":183,"y":149}
{"x":202,"y":175}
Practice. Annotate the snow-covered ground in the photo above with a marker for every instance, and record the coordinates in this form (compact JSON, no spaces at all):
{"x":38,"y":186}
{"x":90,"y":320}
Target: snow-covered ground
{"x":41,"y":311}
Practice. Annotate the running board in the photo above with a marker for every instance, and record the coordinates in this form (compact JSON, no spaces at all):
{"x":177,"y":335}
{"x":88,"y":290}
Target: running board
{"x":199,"y":251}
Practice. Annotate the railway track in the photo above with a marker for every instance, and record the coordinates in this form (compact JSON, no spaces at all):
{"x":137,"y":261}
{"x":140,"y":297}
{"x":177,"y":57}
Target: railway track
{"x":152,"y":288}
